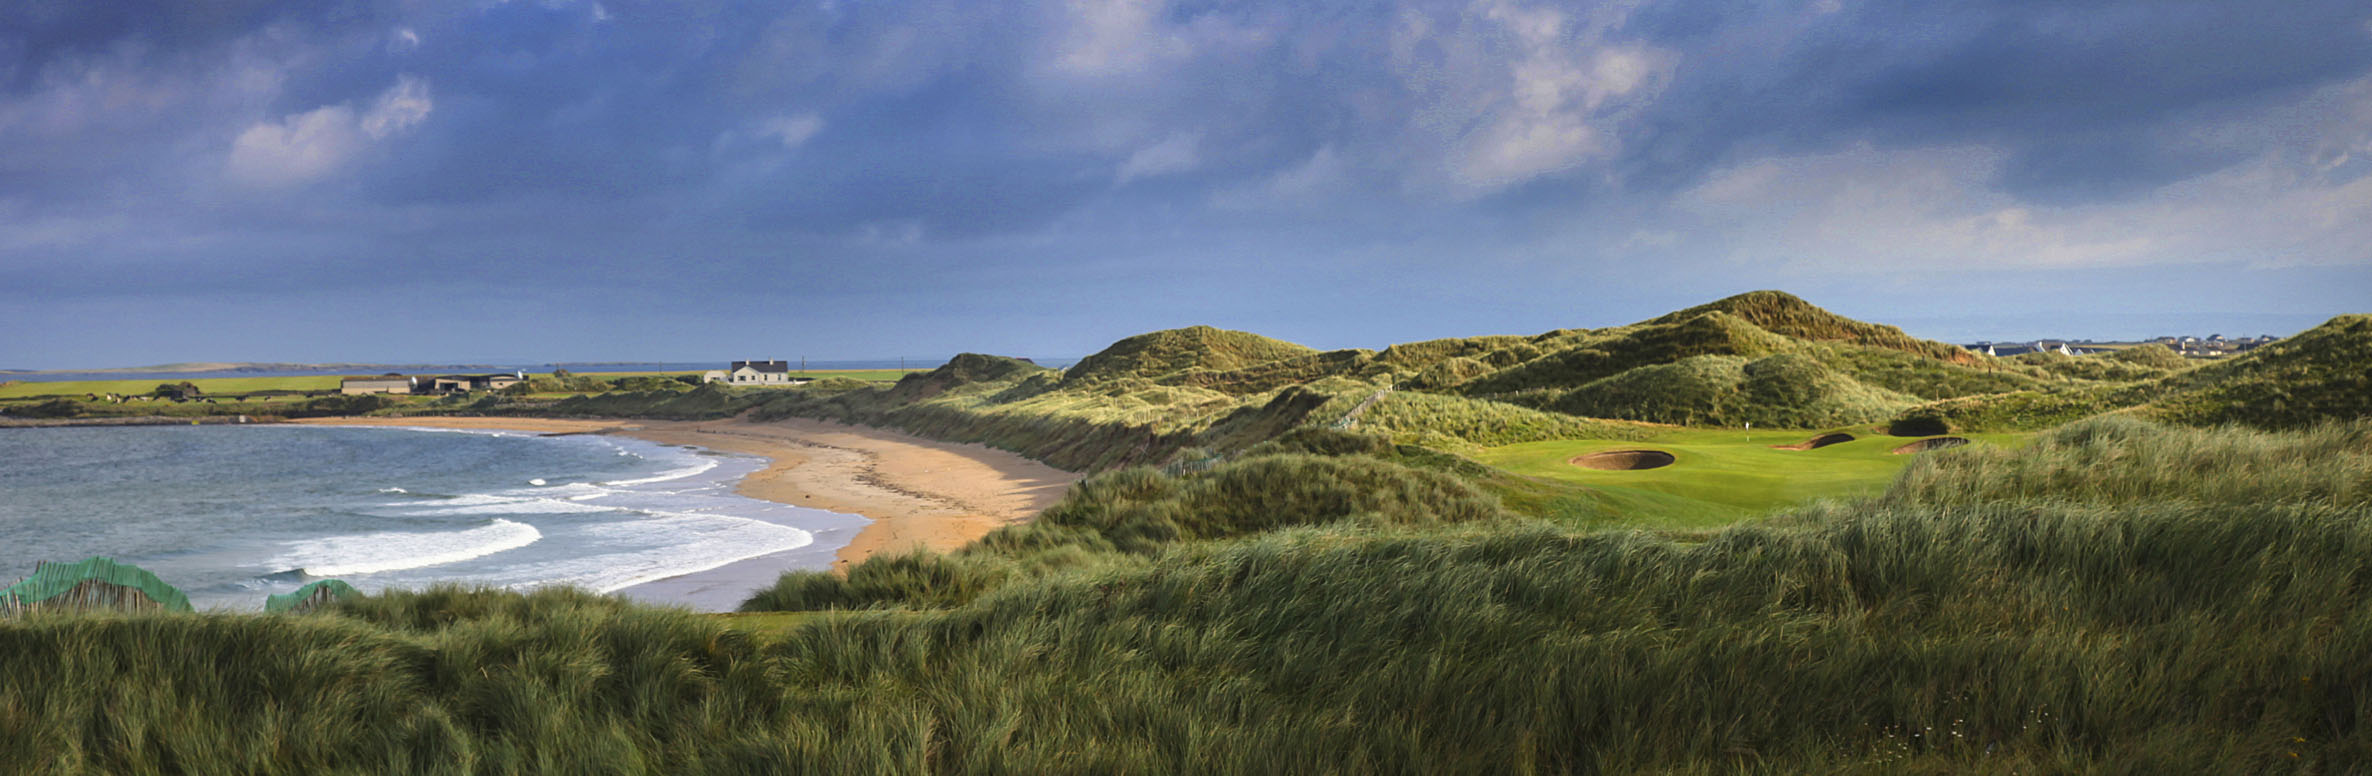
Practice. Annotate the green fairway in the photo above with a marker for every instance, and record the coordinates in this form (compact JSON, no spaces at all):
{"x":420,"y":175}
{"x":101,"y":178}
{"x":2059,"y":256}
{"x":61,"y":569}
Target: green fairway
{"x":1720,"y":477}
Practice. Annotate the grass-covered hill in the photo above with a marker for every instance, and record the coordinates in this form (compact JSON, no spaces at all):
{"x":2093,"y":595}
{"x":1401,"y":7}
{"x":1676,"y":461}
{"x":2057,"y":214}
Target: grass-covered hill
{"x":1164,"y":353}
{"x":2118,"y":597}
{"x":1786,"y":315}
{"x":1583,"y":357}
{"x":1785,"y":390}
{"x":2321,"y":373}
{"x":1764,"y":358}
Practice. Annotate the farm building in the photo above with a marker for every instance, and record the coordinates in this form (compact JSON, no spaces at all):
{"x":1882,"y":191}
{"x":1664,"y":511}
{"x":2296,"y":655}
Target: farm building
{"x":759,"y":372}
{"x":467,"y":383}
{"x":386,"y":383}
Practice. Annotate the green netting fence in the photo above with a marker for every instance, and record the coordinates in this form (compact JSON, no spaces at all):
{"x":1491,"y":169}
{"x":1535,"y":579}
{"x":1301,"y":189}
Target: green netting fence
{"x":312,"y":596}
{"x":94,"y":583}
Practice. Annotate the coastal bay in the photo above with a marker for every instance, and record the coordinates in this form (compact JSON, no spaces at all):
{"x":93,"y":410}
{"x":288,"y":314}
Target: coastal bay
{"x":917,"y":492}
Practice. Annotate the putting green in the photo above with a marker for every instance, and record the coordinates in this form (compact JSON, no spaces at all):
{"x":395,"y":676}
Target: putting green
{"x":1720,"y":477}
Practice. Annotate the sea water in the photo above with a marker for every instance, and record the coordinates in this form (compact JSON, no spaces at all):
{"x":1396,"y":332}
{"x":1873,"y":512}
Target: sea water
{"x":230,"y":514}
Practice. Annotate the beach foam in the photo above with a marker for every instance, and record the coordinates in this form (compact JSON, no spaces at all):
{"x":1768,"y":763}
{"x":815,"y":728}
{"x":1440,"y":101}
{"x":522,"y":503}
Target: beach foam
{"x":393,"y":550}
{"x":681,"y":543}
{"x":689,"y":471}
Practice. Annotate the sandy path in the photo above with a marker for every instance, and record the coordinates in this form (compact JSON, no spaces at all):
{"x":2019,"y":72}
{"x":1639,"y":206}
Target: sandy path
{"x":917,"y":492}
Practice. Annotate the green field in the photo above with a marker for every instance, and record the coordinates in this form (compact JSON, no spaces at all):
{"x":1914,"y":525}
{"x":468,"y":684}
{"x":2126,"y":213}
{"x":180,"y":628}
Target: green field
{"x":1720,"y":477}
{"x":25,"y":389}
{"x":869,"y":375}
{"x":210,"y":385}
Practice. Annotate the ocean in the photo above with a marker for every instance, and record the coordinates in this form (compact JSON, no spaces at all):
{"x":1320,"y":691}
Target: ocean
{"x":230,"y":514}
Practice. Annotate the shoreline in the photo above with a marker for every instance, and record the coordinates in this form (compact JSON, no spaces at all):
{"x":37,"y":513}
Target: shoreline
{"x":916,"y":492}
{"x":139,"y":420}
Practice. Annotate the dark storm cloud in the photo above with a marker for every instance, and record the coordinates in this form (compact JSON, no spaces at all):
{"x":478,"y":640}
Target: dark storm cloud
{"x":43,"y":34}
{"x":2093,"y":100}
{"x":705,"y":148}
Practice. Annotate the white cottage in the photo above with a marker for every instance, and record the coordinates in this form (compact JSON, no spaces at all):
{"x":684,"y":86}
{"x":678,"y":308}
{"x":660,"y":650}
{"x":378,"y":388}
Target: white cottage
{"x":759,"y":373}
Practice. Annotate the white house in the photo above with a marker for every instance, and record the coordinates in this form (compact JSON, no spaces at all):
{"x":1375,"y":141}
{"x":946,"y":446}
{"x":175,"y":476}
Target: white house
{"x":759,"y":373}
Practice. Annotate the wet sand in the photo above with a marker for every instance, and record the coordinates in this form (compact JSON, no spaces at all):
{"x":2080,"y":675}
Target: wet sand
{"x":918,"y":492}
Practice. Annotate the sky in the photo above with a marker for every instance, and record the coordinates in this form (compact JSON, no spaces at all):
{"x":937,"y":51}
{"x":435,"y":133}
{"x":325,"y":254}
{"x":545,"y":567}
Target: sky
{"x":409,"y":180}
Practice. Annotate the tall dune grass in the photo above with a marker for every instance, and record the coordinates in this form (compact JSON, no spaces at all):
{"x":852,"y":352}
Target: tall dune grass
{"x":2122,"y":460}
{"x":1984,"y":638}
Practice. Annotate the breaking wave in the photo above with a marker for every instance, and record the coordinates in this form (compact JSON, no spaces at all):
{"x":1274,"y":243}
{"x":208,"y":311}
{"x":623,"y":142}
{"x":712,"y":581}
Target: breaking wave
{"x":372,"y":553}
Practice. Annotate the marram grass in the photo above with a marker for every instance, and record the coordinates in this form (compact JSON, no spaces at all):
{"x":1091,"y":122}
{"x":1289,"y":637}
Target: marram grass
{"x":2107,"y":620}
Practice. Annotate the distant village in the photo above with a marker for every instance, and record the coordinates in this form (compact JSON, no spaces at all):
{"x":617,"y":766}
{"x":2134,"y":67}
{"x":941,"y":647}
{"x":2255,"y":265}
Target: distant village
{"x":2210,"y":346}
{"x":735,"y":373}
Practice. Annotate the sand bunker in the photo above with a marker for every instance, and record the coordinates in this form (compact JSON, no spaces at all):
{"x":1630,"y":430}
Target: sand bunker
{"x":1623,"y":460}
{"x":1925,"y":445}
{"x":1818,"y":442}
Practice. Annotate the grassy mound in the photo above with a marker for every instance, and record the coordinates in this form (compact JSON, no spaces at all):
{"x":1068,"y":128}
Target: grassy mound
{"x":1418,"y":356}
{"x":1163,"y":353}
{"x":1121,"y":516}
{"x":1453,"y":422}
{"x":2123,"y":460}
{"x":1766,"y":358}
{"x":2322,"y":374}
{"x":1272,"y":375}
{"x":1447,"y":373}
{"x":1783,"y":313}
{"x":1143,"y":511}
{"x":2095,"y":368}
{"x":1783,"y":391}
{"x":1608,"y":352}
{"x":2151,"y":355}
{"x":966,"y":369}
{"x":1928,"y":378}
{"x":2021,"y":410}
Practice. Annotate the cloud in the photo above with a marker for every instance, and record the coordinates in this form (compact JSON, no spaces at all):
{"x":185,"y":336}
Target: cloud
{"x":1517,"y":140}
{"x":1868,"y":210}
{"x":1303,"y":185}
{"x":303,"y":147}
{"x":791,"y":131}
{"x":2054,"y":87}
{"x":1115,"y":37}
{"x":1174,"y":154}
{"x":400,"y":108}
{"x":1508,"y":93}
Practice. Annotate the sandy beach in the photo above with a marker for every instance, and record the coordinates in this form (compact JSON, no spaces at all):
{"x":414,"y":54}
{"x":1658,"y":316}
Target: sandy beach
{"x":918,"y":492}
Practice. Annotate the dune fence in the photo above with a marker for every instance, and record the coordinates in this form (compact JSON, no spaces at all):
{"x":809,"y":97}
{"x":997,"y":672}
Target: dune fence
{"x":93,"y":583}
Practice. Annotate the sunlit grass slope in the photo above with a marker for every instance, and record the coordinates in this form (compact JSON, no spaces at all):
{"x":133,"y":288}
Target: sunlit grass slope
{"x":1766,"y":358}
{"x":2322,"y":373}
{"x":1720,"y":477}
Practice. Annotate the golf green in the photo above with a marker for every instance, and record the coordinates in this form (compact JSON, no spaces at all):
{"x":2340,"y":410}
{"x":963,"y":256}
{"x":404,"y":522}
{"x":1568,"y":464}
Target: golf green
{"x":1723,"y":476}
